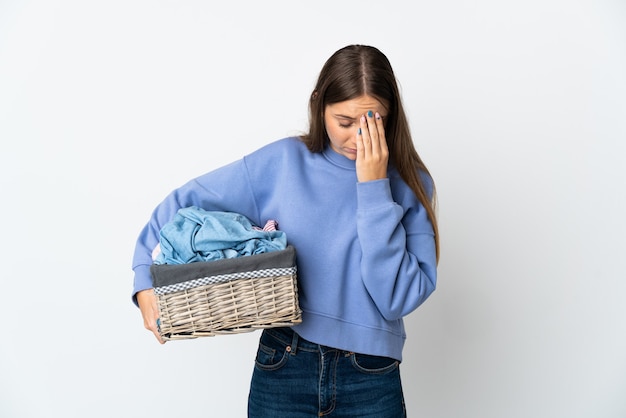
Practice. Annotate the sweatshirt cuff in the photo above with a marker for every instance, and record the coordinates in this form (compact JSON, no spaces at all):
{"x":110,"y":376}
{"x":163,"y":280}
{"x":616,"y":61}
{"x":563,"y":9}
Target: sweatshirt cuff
{"x":375,"y":193}
{"x":143,"y":281}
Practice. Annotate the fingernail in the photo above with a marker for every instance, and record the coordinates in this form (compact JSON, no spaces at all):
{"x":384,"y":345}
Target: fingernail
{"x":359,"y":131}
{"x":377,"y":115}
{"x":370,"y":114}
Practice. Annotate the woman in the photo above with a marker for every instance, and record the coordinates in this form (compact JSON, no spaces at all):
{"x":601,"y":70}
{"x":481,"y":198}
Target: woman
{"x":357,"y":203}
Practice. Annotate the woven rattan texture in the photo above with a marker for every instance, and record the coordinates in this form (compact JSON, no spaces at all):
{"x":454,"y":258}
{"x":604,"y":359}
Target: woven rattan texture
{"x":236,"y":306}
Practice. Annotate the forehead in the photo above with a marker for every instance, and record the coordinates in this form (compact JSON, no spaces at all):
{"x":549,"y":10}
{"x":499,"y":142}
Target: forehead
{"x":357,"y":107}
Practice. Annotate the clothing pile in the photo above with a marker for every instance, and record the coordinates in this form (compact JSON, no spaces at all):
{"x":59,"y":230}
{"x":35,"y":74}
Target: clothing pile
{"x":195,"y":234}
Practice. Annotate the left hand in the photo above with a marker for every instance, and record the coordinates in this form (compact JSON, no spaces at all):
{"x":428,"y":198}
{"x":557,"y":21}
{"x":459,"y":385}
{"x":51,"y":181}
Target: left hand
{"x":372,"y":154}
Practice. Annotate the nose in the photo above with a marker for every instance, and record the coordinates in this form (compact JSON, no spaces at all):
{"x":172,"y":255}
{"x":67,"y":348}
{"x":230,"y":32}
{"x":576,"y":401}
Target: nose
{"x":352,"y":139}
{"x":353,"y":133}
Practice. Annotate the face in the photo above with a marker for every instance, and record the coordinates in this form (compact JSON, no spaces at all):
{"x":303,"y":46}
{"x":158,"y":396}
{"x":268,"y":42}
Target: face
{"x":342,"y":122}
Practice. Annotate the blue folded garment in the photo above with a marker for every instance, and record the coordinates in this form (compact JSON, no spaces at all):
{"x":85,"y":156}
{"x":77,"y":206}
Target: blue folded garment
{"x":196,"y":234}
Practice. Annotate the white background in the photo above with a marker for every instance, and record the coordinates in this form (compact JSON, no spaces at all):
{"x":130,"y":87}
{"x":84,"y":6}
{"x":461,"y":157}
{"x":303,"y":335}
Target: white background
{"x":518,"y":108}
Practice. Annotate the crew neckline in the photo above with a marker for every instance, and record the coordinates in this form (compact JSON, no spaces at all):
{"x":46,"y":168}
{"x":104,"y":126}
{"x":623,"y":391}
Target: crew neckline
{"x":337,"y":159}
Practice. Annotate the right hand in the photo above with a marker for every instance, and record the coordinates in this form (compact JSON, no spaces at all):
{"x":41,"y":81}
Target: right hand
{"x":147,"y":301}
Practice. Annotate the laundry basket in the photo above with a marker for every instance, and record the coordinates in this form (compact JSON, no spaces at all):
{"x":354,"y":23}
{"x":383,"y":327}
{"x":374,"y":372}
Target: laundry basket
{"x":227,"y":296}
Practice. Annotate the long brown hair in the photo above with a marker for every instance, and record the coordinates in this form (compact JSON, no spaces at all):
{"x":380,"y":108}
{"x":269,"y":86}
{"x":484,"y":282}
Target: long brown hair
{"x":357,"y":70}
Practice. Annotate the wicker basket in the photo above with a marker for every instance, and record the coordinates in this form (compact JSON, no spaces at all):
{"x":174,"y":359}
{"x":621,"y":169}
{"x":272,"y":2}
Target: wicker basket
{"x":228,"y":296}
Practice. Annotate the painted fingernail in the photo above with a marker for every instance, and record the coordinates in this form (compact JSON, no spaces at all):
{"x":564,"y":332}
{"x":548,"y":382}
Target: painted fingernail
{"x":363,"y":118}
{"x":369,"y":114}
{"x":359,"y":131}
{"x":377,"y":115}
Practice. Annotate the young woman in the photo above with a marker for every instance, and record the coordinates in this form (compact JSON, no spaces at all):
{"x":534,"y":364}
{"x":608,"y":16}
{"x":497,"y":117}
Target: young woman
{"x":357,"y":202}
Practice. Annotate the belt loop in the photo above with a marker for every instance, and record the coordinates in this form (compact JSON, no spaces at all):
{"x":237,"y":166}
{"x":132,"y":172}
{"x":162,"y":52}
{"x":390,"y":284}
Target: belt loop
{"x":294,"y":343}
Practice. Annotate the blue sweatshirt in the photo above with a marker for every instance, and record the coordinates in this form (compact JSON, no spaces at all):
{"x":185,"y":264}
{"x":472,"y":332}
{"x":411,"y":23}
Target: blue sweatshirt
{"x":365,"y":251}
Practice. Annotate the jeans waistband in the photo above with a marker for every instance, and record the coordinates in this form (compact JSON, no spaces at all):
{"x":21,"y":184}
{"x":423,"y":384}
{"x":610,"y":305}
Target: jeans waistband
{"x":294,"y":341}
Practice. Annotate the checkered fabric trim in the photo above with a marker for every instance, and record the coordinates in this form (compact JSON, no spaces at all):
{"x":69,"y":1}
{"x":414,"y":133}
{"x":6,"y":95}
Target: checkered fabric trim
{"x":222,"y":278}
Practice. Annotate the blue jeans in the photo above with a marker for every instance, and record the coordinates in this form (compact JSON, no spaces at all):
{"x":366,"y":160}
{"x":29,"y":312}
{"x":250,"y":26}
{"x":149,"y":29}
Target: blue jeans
{"x":294,"y":378}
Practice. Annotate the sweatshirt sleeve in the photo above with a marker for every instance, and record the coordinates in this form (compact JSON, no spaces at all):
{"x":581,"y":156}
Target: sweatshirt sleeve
{"x":398,"y":264}
{"x":224,"y":189}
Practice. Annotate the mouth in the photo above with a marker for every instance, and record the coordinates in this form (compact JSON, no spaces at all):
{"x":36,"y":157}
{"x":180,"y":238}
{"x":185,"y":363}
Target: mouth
{"x":350,"y":153}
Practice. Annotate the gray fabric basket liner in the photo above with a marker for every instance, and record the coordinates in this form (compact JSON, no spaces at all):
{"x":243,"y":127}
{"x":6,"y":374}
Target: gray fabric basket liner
{"x":168,"y":275}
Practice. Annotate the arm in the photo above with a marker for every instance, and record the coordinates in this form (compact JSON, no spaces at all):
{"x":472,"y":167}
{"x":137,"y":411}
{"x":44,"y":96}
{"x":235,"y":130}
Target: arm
{"x":224,"y":189}
{"x":398,"y":264}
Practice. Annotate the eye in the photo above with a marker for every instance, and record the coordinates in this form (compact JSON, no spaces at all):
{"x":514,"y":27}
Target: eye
{"x":346,"y":125}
